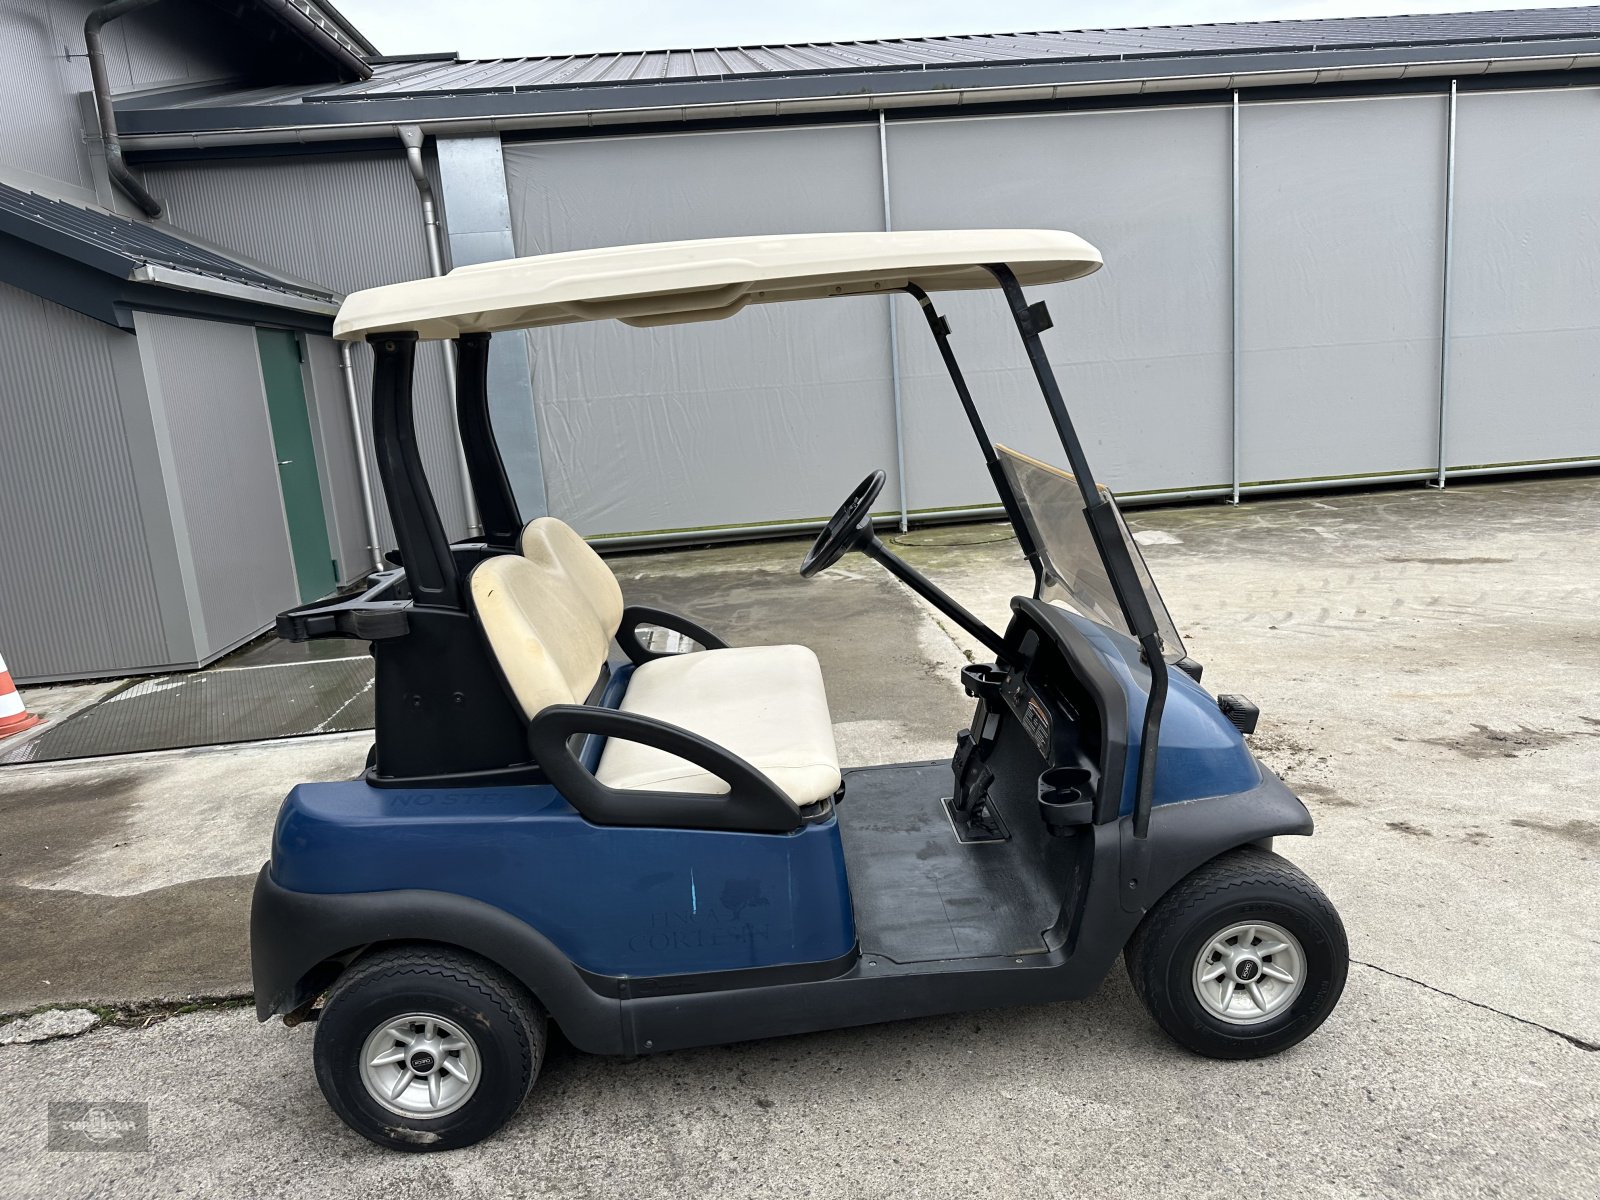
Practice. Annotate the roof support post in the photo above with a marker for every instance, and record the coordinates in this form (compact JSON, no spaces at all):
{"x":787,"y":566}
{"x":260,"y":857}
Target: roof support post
{"x":424,"y":549}
{"x":121,"y":176}
{"x":894,"y":333}
{"x":1444,"y":297}
{"x":502,"y":521}
{"x":1105,"y":526}
{"x":411,"y":138}
{"x":940,"y":328}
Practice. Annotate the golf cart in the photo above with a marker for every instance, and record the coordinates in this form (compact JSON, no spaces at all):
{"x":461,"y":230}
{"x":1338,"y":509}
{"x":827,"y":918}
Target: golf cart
{"x":660,"y":850}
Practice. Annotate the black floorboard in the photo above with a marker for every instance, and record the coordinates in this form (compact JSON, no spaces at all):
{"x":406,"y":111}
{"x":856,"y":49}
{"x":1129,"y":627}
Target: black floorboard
{"x":920,"y":895}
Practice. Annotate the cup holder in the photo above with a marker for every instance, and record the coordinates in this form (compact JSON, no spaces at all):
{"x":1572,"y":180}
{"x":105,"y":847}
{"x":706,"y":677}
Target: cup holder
{"x":1066,"y":798}
{"x":983,"y":681}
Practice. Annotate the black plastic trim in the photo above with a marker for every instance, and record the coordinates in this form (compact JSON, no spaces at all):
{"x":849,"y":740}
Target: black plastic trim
{"x":637,"y":986}
{"x":635,"y":615}
{"x":1111,"y":703}
{"x":366,"y":616}
{"x":752,"y":804}
{"x":292,"y":934}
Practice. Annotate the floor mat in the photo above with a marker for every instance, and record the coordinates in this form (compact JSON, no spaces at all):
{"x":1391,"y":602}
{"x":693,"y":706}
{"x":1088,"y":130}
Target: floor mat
{"x":920,"y":895}
{"x":205,"y":708}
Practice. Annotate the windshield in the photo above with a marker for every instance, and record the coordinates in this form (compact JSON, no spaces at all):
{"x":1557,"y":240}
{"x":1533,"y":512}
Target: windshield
{"x":1074,"y":576}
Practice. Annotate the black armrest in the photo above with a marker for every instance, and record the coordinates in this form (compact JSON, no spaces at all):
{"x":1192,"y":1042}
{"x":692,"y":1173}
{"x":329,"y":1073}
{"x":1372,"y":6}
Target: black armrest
{"x":636,"y":615}
{"x":752,"y":804}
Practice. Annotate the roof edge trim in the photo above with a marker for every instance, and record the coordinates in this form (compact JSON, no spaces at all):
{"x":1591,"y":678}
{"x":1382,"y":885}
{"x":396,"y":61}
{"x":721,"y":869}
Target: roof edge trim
{"x":186,"y":281}
{"x":977,"y":96}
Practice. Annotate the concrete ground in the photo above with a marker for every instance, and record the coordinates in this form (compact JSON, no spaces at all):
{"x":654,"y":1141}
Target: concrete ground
{"x":1425,"y":665}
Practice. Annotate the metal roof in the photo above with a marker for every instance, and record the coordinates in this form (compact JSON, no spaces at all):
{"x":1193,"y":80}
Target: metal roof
{"x":432,"y":77}
{"x":130,"y":249}
{"x":476,"y":96}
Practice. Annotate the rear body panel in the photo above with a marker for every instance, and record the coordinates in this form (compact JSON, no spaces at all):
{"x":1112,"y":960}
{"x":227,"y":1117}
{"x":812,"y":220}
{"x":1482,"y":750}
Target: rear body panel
{"x":616,"y":901}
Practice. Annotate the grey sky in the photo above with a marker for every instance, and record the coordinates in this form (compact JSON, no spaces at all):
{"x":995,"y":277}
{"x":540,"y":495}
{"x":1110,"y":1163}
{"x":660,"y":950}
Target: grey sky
{"x":512,"y":28}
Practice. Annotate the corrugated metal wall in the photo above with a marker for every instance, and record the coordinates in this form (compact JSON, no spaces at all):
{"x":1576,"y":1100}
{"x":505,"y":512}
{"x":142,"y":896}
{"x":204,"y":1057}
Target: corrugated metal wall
{"x":203,"y":379}
{"x":774,"y":413}
{"x":78,"y":594}
{"x":346,"y":222}
{"x":40,"y":84}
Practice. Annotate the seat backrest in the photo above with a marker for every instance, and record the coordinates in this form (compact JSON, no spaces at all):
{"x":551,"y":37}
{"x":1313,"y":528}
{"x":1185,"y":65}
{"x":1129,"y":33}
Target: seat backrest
{"x":546,"y":635}
{"x":558,"y":548}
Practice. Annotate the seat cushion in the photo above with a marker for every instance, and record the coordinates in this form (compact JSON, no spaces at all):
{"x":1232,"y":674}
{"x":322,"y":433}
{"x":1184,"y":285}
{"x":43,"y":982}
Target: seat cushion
{"x":765,"y":704}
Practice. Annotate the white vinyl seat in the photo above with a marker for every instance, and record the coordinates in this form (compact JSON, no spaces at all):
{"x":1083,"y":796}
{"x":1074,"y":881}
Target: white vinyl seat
{"x":549,"y":615}
{"x":764,"y":703}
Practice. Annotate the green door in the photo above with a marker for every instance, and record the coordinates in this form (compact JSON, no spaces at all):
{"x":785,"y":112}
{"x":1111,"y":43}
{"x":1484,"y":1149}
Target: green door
{"x":297,"y":463}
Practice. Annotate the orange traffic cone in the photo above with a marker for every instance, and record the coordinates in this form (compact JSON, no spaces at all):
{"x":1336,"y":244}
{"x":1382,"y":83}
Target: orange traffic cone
{"x":14,"y":718}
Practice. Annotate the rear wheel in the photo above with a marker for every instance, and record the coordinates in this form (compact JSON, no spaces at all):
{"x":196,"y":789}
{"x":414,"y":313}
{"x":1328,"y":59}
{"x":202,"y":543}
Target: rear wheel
{"x":422,"y":1049}
{"x":1243,"y":958}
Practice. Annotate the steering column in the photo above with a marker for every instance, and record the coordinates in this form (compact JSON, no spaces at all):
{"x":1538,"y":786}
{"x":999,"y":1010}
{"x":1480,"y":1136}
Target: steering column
{"x":851,"y":529}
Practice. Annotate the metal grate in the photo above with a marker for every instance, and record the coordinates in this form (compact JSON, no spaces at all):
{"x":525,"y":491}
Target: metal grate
{"x":207,"y":708}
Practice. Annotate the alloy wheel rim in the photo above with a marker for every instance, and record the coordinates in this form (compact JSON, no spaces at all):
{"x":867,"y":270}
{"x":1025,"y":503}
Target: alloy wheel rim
{"x":420,"y":1065}
{"x":1249,"y":972}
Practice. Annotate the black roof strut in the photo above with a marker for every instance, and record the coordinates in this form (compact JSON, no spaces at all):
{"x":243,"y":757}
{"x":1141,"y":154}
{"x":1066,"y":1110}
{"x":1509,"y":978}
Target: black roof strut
{"x":491,"y":488}
{"x":418,"y":532}
{"x":1101,"y":514}
{"x":940,"y":328}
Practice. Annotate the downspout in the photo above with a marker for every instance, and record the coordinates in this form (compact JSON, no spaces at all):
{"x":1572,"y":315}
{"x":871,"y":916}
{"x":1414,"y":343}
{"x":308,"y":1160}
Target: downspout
{"x":411,"y":138}
{"x":121,"y":177}
{"x":369,"y":511}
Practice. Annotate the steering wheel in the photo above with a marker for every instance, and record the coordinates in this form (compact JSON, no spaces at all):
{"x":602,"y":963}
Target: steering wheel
{"x":846,"y":529}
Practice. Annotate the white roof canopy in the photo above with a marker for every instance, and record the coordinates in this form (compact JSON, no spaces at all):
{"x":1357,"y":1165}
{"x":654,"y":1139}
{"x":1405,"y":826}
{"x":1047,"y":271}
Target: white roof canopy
{"x":668,"y":283}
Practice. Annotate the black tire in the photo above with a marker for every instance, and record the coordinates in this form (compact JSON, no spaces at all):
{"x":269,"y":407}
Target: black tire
{"x":1238,"y":887}
{"x":504,"y":1024}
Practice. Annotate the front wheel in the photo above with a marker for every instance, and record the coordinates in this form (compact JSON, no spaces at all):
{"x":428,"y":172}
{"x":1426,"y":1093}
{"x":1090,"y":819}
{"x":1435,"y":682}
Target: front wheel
{"x":1243,"y":958}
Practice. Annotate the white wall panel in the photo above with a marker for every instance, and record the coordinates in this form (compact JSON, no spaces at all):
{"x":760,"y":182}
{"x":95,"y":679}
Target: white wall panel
{"x":1525,"y":345}
{"x":773,"y":414}
{"x":336,"y":456}
{"x":1342,"y":209}
{"x":204,"y":380}
{"x":1142,"y":348}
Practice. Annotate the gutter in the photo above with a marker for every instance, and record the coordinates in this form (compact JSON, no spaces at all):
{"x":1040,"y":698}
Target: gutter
{"x":121,"y":177}
{"x":864,"y":101}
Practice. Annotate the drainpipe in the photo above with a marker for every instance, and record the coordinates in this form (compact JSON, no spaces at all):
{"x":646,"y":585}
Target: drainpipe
{"x":121,"y":177}
{"x":369,"y":511}
{"x":411,"y":138}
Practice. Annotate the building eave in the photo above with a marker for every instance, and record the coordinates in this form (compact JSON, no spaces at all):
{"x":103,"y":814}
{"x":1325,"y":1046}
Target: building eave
{"x":330,"y":118}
